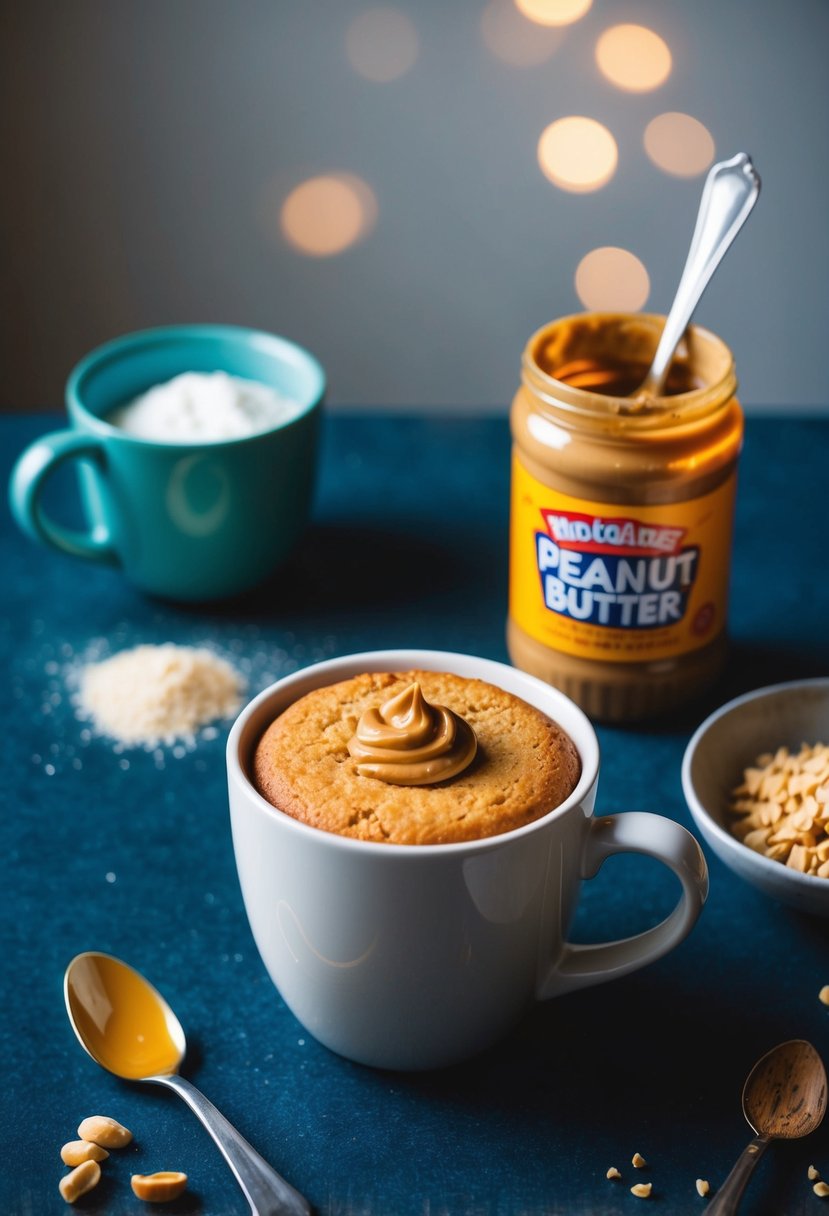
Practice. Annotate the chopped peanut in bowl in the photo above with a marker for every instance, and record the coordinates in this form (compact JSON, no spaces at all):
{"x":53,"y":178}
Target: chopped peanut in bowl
{"x":781,"y":808}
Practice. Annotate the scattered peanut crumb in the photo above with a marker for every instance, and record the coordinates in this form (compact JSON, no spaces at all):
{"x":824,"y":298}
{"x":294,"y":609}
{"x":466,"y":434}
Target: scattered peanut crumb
{"x":74,"y":1152}
{"x":85,"y":1154}
{"x":781,"y":808}
{"x":823,"y":995}
{"x":638,"y":1161}
{"x":82,"y":1179}
{"x":812,"y":1173}
{"x":642,"y":1190}
{"x":160,"y":1187}
{"x":702,"y":1186}
{"x":821,"y":1189}
{"x":613,"y":1172}
{"x":106,"y":1132}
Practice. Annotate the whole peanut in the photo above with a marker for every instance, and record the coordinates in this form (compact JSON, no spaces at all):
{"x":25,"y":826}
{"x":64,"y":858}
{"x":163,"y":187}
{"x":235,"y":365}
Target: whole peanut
{"x":106,"y":1132}
{"x":77,"y":1151}
{"x":160,"y":1187}
{"x":82,"y":1179}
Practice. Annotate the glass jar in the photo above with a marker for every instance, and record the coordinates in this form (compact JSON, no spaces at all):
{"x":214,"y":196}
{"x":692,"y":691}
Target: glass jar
{"x":622,"y":514}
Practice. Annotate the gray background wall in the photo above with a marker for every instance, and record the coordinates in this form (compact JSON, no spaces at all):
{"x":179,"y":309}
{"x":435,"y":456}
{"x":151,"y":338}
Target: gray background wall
{"x":148,"y":145}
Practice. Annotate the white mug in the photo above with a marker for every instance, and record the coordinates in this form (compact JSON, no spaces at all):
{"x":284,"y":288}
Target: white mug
{"x":419,"y":956}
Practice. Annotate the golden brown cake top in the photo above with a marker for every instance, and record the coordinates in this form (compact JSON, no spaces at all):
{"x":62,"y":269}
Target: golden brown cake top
{"x":525,"y":764}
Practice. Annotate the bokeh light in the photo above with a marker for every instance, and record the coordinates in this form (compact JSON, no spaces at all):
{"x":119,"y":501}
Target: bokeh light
{"x":612,"y":279}
{"x":679,"y":144}
{"x":515,"y":41}
{"x":381,"y":44}
{"x":325,"y":215}
{"x":553,"y":12}
{"x":577,"y":154}
{"x":633,"y":57}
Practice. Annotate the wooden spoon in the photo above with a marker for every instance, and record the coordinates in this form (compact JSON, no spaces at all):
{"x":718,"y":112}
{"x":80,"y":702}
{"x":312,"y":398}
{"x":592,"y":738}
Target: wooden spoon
{"x":784,"y":1098}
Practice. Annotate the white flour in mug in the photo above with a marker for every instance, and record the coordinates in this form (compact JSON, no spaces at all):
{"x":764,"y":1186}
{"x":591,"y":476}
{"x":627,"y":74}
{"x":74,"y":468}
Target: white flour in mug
{"x":204,"y":407}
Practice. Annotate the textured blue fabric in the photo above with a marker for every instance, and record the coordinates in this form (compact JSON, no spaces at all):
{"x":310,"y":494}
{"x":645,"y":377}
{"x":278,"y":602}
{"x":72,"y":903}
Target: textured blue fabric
{"x":131,"y":853}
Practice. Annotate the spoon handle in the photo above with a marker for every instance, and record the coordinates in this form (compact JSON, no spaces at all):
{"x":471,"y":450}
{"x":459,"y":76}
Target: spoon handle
{"x":730,"y":191}
{"x":727,"y":1198}
{"x":267,"y":1192}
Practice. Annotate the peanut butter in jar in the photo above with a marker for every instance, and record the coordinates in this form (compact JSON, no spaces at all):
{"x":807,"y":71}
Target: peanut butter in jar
{"x":622,"y":514}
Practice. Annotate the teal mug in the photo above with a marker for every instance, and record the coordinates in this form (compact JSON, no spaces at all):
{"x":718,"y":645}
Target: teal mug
{"x":193,"y":520}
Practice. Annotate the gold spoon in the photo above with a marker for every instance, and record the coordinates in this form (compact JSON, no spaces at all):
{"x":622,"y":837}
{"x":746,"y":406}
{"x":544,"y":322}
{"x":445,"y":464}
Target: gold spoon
{"x":130,"y":1030}
{"x":784,"y":1098}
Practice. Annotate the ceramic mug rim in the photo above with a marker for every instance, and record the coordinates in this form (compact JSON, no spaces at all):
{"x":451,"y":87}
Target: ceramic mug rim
{"x":401,"y":658}
{"x":167,"y":335}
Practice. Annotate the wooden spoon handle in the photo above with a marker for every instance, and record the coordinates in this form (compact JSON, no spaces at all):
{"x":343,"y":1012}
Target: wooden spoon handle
{"x":727,"y":1198}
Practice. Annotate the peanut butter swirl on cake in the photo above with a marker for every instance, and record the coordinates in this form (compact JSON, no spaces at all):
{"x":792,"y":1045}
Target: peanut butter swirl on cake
{"x":408,"y":741}
{"x":523,"y":764}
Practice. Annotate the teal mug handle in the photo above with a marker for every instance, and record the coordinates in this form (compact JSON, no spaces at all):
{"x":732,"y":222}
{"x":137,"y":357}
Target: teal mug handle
{"x":28,"y":478}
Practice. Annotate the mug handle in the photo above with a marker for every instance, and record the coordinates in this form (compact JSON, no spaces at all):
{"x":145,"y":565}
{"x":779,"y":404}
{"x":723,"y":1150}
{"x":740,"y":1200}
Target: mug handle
{"x":28,"y":478}
{"x":579,"y":966}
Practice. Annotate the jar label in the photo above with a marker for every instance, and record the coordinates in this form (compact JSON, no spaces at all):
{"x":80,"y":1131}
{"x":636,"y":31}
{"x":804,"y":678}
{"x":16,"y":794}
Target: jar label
{"x":619,"y":583}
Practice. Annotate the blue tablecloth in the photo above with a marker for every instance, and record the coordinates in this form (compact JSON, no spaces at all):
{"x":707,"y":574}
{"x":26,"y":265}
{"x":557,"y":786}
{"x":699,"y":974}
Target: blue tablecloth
{"x":130,"y":853}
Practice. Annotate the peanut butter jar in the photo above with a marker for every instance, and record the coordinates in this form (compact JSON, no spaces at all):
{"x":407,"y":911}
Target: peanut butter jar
{"x":622,"y":514}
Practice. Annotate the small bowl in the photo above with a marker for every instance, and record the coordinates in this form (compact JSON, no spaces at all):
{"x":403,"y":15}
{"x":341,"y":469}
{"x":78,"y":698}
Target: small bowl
{"x":726,"y":743}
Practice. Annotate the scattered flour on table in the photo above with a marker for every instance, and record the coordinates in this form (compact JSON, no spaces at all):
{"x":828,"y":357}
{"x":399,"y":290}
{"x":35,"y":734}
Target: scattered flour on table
{"x":156,"y":695}
{"x":45,"y":676}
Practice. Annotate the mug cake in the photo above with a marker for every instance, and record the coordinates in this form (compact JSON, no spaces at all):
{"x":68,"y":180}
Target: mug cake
{"x":415,"y":758}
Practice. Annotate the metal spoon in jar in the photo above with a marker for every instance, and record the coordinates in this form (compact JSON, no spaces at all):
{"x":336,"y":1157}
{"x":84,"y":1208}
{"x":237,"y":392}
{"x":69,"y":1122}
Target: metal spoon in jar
{"x":730,"y":192}
{"x":784,"y":1098}
{"x":130,"y":1030}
